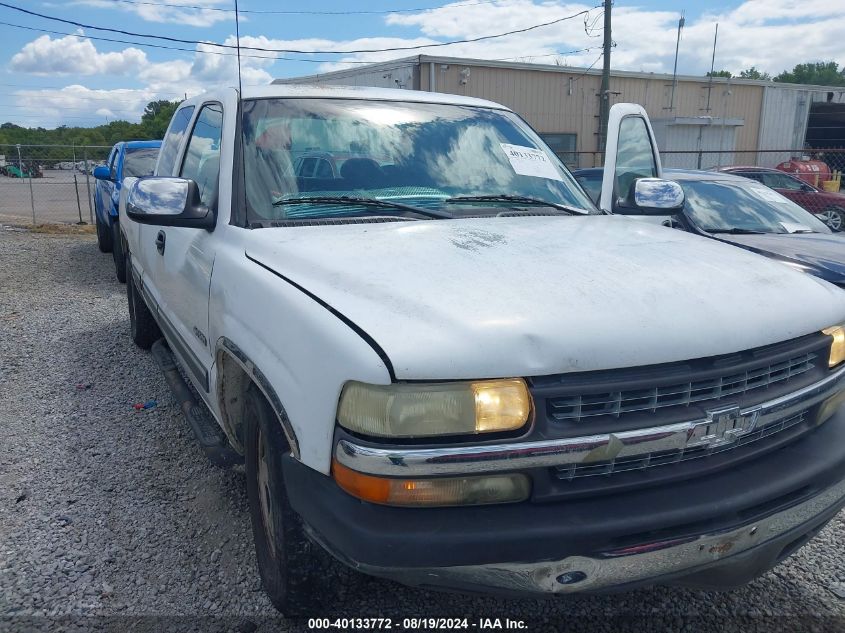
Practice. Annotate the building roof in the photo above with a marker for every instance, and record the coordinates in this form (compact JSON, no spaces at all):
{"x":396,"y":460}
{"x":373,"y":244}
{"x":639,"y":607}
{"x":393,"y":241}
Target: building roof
{"x":553,"y":68}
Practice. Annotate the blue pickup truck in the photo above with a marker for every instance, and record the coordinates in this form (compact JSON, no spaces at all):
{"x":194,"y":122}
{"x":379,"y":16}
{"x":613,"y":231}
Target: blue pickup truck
{"x":127,"y":158}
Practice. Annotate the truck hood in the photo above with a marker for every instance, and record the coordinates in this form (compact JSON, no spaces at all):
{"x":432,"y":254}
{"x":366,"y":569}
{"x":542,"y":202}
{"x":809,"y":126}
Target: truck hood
{"x":821,"y":254}
{"x":495,"y":297}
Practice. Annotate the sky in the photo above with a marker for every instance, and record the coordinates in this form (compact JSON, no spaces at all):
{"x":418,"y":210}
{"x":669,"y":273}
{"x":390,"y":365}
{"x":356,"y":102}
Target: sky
{"x":69,"y":78}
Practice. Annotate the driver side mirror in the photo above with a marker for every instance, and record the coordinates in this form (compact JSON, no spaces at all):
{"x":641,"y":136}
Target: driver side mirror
{"x":166,"y":201}
{"x":101,"y":172}
{"x":652,"y":196}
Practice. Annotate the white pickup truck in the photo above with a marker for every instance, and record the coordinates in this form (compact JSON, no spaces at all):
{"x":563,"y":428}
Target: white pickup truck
{"x":441,"y":364}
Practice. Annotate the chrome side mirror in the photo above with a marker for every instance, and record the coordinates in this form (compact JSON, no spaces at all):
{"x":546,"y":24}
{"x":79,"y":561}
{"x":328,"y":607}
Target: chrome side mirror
{"x":165,"y":201}
{"x":654,"y":196}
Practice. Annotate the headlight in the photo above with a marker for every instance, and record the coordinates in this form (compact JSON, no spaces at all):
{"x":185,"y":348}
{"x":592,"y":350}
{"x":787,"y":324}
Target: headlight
{"x":837,"y":347}
{"x":421,"y":410}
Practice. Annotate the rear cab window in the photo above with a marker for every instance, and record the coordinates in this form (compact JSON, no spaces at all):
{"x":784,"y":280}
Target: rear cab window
{"x":140,"y":162}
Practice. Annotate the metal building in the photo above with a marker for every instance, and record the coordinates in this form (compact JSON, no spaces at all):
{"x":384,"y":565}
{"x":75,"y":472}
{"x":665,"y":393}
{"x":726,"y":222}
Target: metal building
{"x":698,"y":121}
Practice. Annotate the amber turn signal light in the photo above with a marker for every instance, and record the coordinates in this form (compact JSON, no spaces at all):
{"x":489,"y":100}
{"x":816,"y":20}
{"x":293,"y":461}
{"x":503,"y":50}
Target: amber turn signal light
{"x":450,"y":491}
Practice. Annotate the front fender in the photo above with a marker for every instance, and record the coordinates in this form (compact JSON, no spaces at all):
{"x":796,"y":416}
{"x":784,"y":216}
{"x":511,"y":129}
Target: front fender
{"x":303,"y":352}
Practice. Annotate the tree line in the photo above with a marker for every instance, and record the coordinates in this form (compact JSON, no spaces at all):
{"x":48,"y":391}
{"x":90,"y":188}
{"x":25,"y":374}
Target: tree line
{"x":153,"y":125}
{"x":815,"y":73}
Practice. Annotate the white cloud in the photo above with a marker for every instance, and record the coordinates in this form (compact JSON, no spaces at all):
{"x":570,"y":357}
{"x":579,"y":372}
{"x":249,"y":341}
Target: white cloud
{"x":52,"y":105}
{"x":74,"y":55}
{"x":188,"y":16}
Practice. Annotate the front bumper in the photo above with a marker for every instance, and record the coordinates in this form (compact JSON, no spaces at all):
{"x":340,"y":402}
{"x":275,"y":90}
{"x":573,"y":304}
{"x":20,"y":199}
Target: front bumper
{"x":718,"y":530}
{"x":717,"y":560}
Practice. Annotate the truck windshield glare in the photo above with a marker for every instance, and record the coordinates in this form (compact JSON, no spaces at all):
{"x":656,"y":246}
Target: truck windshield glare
{"x":419,"y":154}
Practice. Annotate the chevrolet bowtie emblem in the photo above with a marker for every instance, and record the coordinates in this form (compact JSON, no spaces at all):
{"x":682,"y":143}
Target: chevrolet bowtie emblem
{"x":722,"y":426}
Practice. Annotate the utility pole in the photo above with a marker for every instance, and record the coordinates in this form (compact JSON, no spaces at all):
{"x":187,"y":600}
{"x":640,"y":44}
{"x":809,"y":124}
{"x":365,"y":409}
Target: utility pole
{"x":604,"y":96}
{"x":675,"y":68}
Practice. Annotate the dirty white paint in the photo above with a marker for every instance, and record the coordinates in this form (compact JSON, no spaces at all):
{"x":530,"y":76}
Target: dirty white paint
{"x":500,"y":297}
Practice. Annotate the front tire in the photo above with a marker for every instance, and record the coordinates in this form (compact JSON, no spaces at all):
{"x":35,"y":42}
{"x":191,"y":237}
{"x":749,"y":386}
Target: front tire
{"x":834,"y":217}
{"x":103,"y":237}
{"x":142,"y":326}
{"x":299,"y":577}
{"x":117,"y":253}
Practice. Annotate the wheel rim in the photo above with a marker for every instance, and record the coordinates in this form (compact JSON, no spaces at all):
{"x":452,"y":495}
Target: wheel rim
{"x":264,"y":497}
{"x":832,"y":217}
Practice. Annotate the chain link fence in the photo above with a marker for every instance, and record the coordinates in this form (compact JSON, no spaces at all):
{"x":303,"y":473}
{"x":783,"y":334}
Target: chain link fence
{"x":48,"y":184}
{"x":711,"y":159}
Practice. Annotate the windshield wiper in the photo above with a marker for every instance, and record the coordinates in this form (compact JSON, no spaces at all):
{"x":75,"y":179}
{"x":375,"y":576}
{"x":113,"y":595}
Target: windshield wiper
{"x":365,"y":202}
{"x":527,"y":200}
{"x":737,"y":231}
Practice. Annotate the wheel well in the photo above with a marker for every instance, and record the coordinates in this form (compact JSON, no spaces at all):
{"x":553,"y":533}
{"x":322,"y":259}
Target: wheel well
{"x":235,"y":375}
{"x":232,"y":381}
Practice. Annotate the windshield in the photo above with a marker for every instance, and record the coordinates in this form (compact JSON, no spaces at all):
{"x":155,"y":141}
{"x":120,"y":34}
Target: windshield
{"x":717,"y":205}
{"x":140,"y":162}
{"x":418,"y":154}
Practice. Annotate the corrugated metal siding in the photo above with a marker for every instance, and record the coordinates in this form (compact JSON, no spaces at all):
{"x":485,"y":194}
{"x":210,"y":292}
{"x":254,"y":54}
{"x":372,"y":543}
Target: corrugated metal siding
{"x":560,"y":100}
{"x":783,"y":123}
{"x":543,"y":98}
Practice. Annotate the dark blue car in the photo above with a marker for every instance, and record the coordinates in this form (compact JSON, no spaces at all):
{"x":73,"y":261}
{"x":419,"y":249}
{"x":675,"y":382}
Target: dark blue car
{"x":127,"y":158}
{"x":744,"y":213}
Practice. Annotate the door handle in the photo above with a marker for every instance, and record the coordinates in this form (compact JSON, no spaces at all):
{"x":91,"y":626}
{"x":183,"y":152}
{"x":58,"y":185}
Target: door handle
{"x":160,"y":239}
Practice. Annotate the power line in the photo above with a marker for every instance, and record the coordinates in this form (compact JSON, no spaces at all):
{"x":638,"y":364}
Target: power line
{"x":64,"y":108}
{"x":28,"y":87}
{"x":277,"y":12}
{"x":559,"y":54}
{"x":291,"y":50}
{"x":176,"y":48}
{"x":588,"y":68}
{"x":193,"y":50}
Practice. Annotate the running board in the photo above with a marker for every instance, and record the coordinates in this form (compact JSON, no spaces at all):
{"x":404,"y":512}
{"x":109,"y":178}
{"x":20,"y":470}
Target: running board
{"x":208,"y":433}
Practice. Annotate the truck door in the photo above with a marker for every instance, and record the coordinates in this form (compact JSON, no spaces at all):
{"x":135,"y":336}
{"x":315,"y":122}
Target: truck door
{"x":631,"y":152}
{"x":181,"y":259}
{"x":143,"y":248}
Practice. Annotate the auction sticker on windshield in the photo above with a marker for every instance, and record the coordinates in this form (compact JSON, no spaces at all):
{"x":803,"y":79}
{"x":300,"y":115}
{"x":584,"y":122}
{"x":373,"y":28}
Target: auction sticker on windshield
{"x":529,"y":161}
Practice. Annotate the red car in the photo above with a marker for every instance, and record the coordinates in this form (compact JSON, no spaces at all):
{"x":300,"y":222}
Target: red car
{"x":828,"y":206}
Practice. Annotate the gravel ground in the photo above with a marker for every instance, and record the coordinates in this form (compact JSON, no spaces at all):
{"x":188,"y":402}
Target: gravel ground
{"x":112,"y":519}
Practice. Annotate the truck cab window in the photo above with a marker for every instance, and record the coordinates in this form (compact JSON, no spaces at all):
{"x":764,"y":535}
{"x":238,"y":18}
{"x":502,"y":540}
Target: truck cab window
{"x":202,"y":157}
{"x":172,"y":141}
{"x":634,"y":156}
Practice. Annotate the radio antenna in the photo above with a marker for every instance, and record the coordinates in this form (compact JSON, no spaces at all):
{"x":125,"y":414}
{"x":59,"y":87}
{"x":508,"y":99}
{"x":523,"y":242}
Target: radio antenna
{"x":240,"y":126}
{"x":238,"y":46}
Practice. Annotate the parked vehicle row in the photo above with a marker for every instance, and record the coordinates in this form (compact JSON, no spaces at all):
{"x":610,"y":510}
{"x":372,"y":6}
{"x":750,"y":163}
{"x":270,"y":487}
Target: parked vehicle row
{"x":747,"y":214}
{"x":829,"y":206}
{"x":21,"y":171}
{"x":130,"y":159}
{"x":442,"y":364}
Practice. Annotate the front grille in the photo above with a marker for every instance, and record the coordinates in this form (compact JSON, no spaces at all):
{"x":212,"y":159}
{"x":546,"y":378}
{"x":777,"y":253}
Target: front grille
{"x":615,"y":400}
{"x":577,"y":407}
{"x":665,"y":458}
